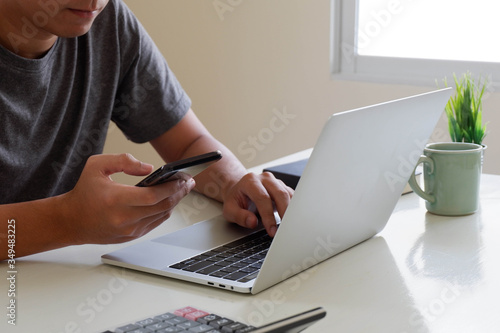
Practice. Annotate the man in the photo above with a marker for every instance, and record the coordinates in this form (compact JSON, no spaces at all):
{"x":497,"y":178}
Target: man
{"x":68,"y":67}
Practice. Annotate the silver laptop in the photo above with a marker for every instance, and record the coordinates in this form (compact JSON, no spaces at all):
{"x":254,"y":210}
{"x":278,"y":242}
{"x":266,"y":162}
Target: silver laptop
{"x":347,"y":192}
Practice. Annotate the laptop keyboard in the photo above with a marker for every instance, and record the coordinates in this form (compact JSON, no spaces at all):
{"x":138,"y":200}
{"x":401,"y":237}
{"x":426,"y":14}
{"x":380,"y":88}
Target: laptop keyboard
{"x":236,"y":261}
{"x":187,"y":319}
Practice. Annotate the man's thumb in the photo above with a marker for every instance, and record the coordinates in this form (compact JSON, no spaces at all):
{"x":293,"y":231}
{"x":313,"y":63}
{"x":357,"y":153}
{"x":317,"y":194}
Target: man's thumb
{"x":126,"y":163}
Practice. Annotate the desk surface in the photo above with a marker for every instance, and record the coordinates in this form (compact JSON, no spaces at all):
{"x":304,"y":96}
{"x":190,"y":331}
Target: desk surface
{"x":422,"y":273}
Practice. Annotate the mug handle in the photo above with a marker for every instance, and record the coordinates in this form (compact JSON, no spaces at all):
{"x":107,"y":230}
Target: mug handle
{"x":413,"y":182}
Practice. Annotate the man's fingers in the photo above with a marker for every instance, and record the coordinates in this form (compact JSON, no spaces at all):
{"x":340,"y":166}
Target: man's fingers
{"x":240,"y":214}
{"x":280,"y":193}
{"x":149,"y":201}
{"x":266,"y":193}
{"x":149,"y":196}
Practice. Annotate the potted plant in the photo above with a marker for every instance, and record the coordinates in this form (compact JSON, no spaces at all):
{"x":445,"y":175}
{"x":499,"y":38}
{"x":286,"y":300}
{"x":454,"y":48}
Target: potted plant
{"x":464,"y":110}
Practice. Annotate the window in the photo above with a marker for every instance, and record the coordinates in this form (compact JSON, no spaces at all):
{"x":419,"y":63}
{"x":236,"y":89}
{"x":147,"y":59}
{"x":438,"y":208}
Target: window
{"x":415,"y":41}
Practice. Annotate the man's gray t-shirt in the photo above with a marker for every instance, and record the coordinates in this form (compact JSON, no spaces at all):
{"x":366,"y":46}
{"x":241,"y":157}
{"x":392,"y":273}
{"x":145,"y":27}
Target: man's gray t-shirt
{"x":55,"y":111}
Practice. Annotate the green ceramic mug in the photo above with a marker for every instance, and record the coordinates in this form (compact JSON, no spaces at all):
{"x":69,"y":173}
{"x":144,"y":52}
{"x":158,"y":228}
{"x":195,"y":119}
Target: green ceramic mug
{"x":451,"y":177}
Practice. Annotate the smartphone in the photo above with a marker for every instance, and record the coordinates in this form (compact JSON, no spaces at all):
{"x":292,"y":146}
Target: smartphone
{"x":190,"y":166}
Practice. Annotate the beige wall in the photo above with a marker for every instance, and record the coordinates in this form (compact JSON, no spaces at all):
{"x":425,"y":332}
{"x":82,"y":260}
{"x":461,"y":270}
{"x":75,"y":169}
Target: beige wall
{"x":258,"y":75}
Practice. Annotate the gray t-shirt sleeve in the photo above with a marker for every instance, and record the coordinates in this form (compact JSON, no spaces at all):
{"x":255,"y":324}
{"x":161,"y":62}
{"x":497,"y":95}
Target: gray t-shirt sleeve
{"x":149,"y":100}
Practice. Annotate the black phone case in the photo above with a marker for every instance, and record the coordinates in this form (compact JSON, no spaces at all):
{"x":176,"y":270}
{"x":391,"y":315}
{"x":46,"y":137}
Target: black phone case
{"x":189,"y":167}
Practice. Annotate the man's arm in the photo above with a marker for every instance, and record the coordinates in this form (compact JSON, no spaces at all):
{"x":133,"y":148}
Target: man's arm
{"x":226,"y":180}
{"x":100,"y":211}
{"x":96,"y":211}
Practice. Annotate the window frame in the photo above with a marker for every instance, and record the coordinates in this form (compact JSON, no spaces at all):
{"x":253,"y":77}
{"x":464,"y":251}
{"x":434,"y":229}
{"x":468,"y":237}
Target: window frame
{"x":346,"y":64}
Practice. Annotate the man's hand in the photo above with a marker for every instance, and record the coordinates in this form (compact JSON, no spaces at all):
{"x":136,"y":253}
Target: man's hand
{"x":98,"y":210}
{"x":266,"y":192}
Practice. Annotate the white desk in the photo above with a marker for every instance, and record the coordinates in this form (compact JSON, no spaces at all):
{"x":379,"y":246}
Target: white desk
{"x":423,"y":273}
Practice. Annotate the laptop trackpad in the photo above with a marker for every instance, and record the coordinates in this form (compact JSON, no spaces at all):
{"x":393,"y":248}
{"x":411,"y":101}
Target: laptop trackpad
{"x":205,"y":235}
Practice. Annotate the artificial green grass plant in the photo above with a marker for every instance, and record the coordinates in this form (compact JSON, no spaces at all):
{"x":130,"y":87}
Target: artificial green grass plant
{"x":464,"y":110}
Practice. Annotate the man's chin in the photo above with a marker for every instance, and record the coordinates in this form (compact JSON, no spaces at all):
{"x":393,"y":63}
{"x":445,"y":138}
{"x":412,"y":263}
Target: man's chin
{"x":75,"y":32}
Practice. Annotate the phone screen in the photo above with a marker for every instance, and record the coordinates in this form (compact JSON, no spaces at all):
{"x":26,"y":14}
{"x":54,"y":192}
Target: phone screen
{"x":190,"y":166}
